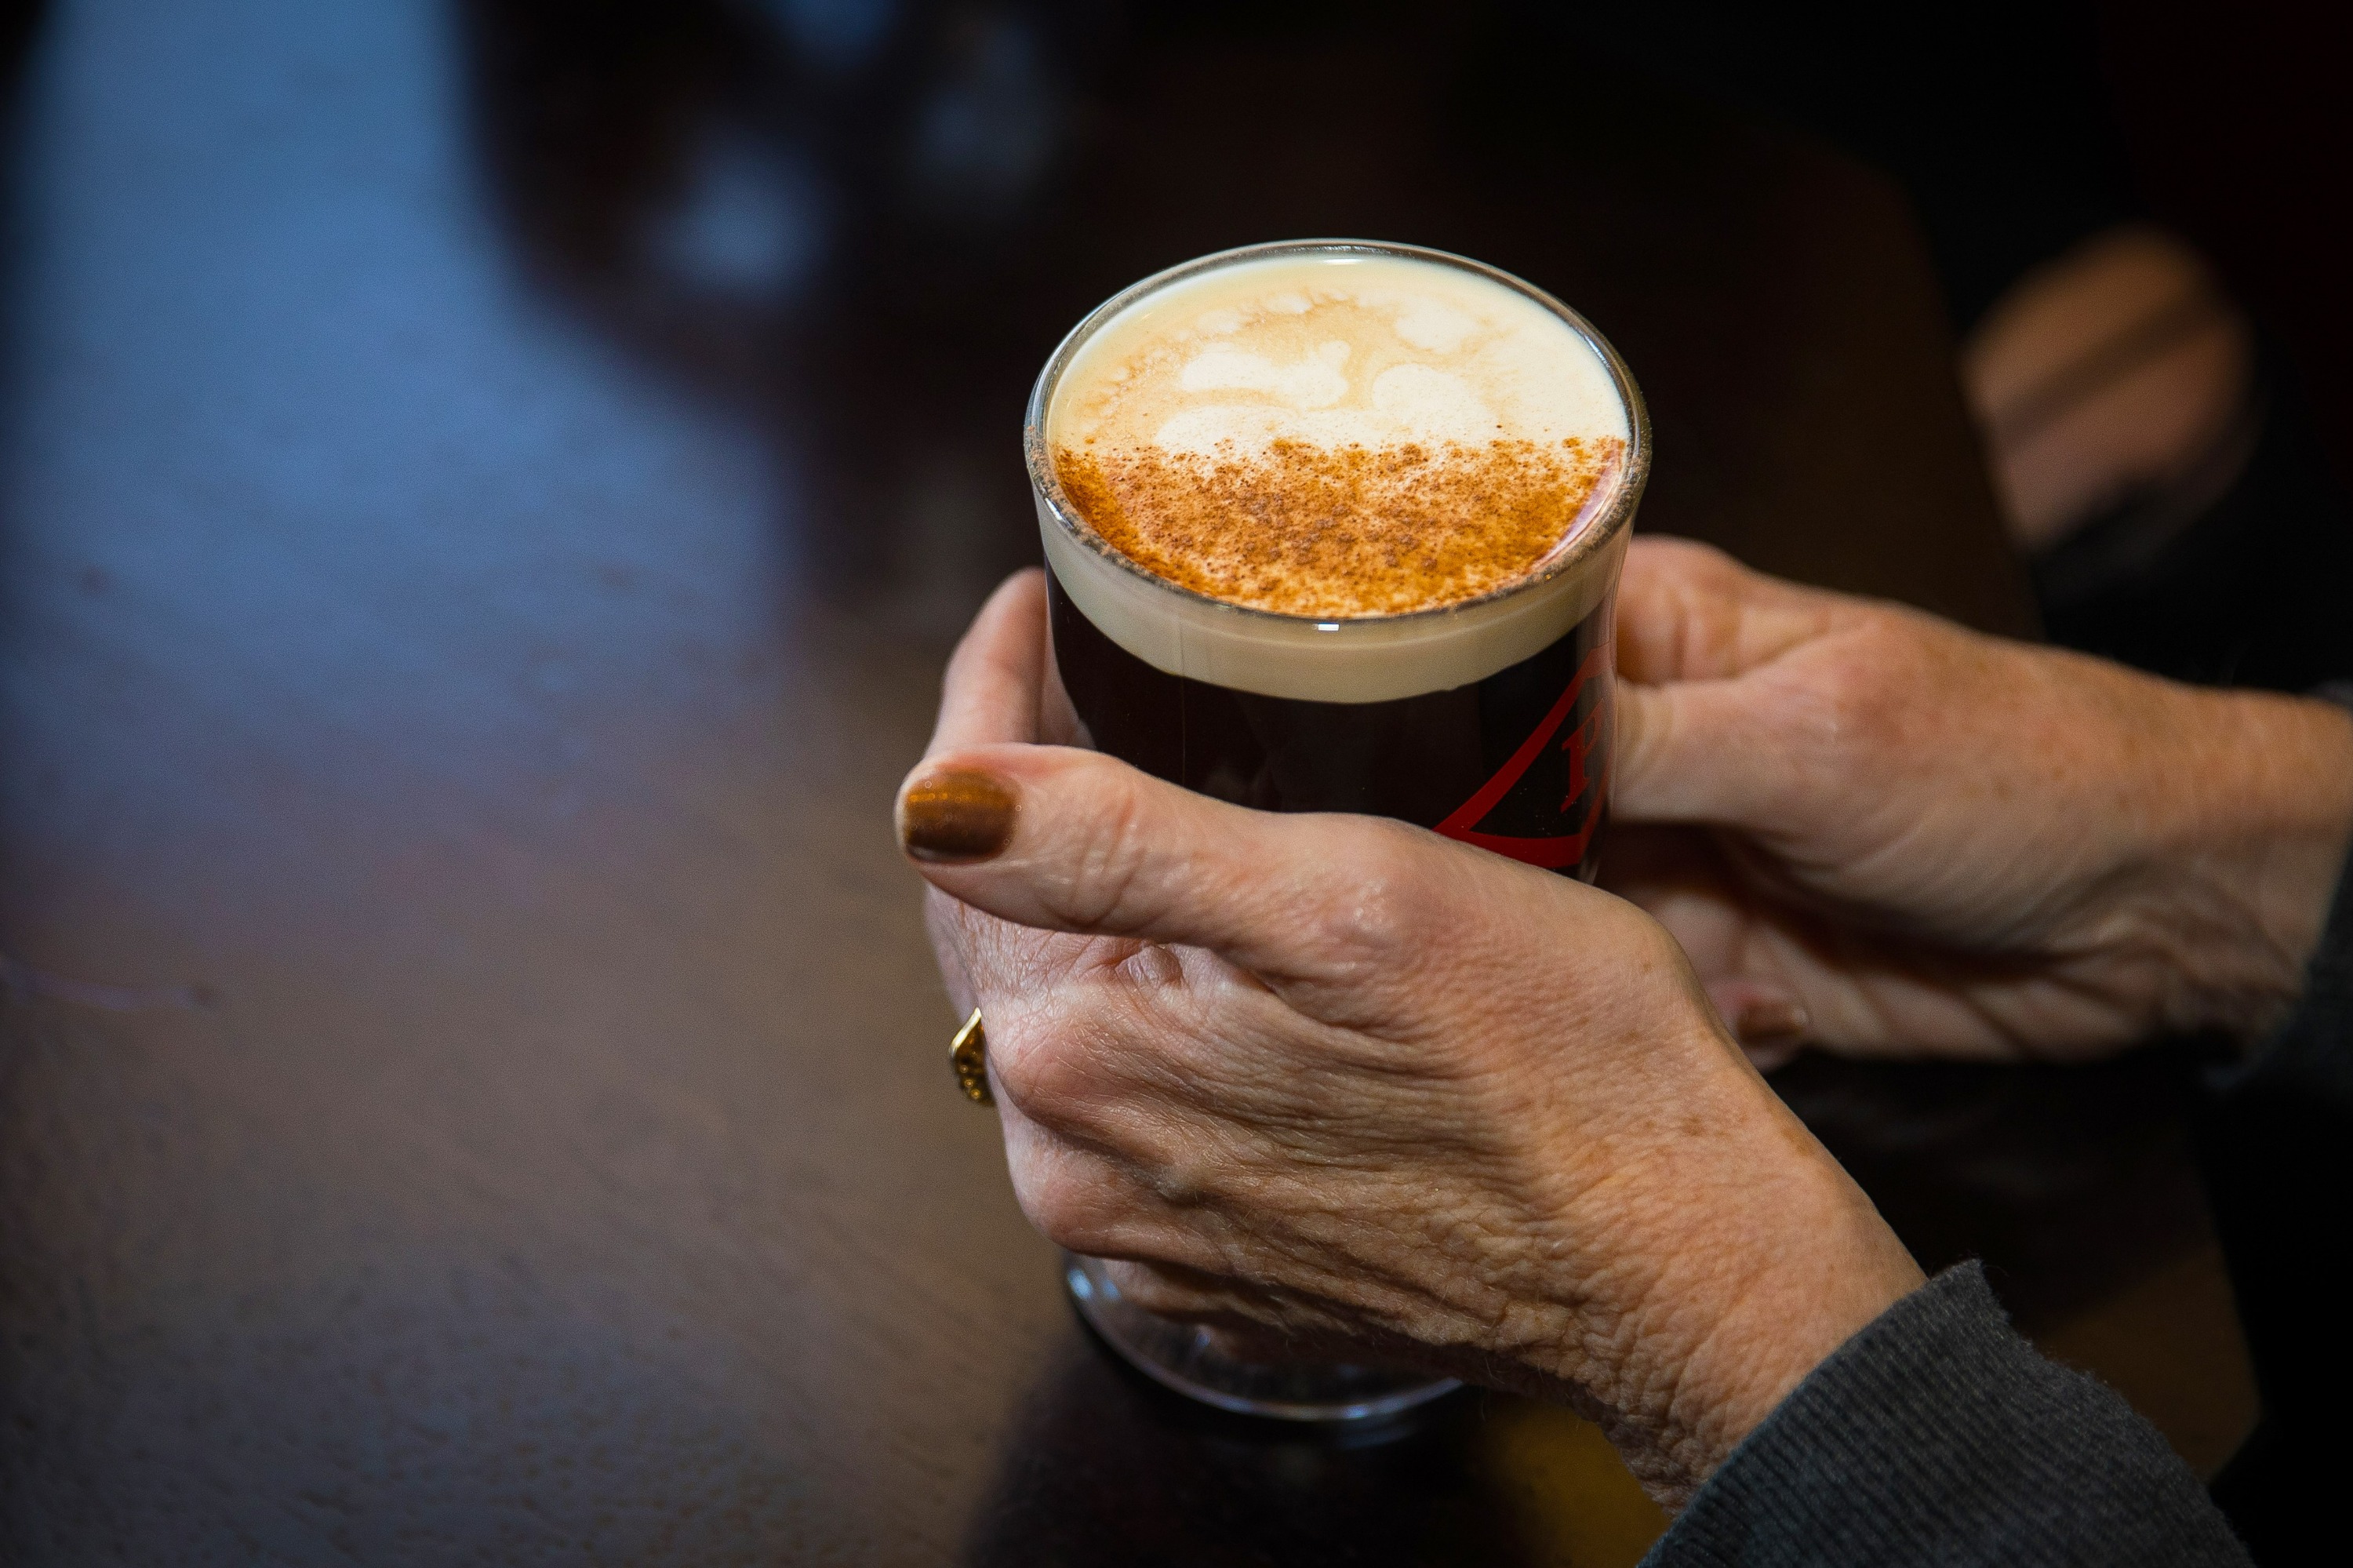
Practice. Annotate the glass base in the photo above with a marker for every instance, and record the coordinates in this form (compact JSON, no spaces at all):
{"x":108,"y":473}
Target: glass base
{"x":1186,"y":1358}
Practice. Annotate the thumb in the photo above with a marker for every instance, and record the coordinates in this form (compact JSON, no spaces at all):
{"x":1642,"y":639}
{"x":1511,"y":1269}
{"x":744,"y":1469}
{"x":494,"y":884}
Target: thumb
{"x":1700,"y":752}
{"x":1701,"y":737}
{"x":1072,"y":841}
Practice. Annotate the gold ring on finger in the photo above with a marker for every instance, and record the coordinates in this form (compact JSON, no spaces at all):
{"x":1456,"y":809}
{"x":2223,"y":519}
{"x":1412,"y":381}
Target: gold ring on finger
{"x":968,"y":1055}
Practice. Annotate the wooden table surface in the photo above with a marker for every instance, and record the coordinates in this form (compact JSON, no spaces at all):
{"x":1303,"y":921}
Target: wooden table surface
{"x":485,"y":492}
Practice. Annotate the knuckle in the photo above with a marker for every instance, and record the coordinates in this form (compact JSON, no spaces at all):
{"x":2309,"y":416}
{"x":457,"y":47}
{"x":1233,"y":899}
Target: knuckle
{"x":1064,"y":1204}
{"x":1067,"y":1061}
{"x":1044,"y":1080}
{"x":1655,"y":949}
{"x":1699,"y":559}
{"x":1181,"y":1176}
{"x":1864,"y":697}
{"x":1379,"y":912}
{"x":1689,"y":567}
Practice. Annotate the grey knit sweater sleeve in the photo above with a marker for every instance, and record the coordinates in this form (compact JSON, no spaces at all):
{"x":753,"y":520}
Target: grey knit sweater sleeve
{"x":1938,"y":1436}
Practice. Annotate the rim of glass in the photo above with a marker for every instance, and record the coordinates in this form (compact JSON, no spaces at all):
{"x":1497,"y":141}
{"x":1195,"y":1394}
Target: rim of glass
{"x":1588,"y":539}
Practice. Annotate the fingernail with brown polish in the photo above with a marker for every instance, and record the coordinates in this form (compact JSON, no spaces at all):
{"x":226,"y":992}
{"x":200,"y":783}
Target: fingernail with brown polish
{"x":955,"y":817}
{"x":1770,"y":1020}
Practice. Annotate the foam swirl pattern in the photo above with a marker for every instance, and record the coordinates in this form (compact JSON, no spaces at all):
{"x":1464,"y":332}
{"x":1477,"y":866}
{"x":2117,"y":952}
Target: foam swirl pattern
{"x":1334,"y":471}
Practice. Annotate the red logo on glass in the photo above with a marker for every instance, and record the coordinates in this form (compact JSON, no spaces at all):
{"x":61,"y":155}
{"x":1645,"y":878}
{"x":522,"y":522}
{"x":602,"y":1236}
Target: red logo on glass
{"x":1551,"y":853}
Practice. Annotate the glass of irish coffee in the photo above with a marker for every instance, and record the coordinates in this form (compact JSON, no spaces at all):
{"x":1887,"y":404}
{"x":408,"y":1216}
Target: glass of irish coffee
{"x":1333,"y":526}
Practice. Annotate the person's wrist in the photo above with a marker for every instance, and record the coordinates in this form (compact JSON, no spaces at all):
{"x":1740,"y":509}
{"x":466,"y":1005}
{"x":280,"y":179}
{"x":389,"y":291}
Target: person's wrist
{"x":2256,"y":820}
{"x":1796,"y":1275}
{"x":1727,"y":1255}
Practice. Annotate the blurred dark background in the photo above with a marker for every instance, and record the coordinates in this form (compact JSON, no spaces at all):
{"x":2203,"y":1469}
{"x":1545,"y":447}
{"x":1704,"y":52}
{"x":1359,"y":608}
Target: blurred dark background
{"x":721,"y":183}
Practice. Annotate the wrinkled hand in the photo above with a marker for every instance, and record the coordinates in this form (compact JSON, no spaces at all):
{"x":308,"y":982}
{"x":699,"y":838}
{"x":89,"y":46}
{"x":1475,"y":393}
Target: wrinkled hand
{"x":1896,"y":835}
{"x":1377,"y":1092}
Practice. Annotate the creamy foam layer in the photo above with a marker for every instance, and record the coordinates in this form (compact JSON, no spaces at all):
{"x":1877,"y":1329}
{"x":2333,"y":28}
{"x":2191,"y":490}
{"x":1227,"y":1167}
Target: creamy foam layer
{"x":1337,"y":434}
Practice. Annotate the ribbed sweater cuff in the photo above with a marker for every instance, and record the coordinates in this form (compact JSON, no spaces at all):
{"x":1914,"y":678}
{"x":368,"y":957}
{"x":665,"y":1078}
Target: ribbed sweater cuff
{"x":1938,"y":1436}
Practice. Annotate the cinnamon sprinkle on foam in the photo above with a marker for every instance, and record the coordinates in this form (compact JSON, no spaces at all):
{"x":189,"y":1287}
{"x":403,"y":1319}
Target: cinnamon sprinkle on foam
{"x":1339,"y":532}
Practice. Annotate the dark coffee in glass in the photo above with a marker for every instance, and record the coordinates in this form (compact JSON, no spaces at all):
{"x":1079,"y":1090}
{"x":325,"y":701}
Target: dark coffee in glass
{"x":1516,"y":762}
{"x":1336,"y":526}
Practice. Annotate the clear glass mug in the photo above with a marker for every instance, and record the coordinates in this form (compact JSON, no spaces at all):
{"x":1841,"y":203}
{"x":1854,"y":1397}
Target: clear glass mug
{"x":1487,"y":721}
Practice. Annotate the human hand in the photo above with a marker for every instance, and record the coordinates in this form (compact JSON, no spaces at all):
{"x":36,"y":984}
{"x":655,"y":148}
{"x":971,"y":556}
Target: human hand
{"x":1374,"y":1091}
{"x":1892,"y":835}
